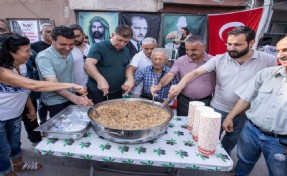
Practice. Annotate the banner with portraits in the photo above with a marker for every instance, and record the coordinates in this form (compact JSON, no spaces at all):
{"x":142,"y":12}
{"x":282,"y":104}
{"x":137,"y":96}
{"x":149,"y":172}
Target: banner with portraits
{"x":98,"y":26}
{"x":143,"y":25}
{"x":172,"y":24}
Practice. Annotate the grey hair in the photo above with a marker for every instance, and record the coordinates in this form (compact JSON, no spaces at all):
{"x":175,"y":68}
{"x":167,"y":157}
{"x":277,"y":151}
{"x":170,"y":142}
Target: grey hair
{"x":196,"y":38}
{"x":149,"y":40}
{"x":159,"y":50}
{"x":44,"y":25}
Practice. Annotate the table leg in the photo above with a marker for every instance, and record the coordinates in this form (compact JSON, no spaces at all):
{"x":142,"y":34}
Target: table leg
{"x":91,"y":169}
{"x":169,"y":172}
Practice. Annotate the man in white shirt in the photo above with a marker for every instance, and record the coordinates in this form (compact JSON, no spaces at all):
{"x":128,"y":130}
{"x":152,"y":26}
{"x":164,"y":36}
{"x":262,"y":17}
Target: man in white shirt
{"x":140,"y":61}
{"x":79,"y":53}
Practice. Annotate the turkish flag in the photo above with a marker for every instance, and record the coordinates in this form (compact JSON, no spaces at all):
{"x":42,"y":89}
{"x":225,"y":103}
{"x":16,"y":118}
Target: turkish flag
{"x":221,"y":24}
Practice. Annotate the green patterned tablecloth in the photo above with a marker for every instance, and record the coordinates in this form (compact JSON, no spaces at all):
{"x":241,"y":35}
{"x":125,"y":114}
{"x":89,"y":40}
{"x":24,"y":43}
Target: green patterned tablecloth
{"x":174,"y":149}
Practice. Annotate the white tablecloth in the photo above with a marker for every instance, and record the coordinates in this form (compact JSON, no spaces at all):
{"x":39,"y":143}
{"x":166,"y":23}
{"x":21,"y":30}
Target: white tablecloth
{"x":174,"y":149}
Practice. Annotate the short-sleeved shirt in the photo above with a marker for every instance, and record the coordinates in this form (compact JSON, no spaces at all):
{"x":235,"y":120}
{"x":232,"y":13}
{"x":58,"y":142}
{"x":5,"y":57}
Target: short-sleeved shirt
{"x":147,"y":75}
{"x":39,"y":46}
{"x":267,"y":94}
{"x":111,"y":64}
{"x":81,"y":76}
{"x":230,"y":75}
{"x":139,"y":61}
{"x":202,"y":86}
{"x":51,"y":63}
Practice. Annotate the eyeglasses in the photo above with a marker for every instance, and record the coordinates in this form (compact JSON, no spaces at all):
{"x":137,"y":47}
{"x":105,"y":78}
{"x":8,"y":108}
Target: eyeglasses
{"x":7,"y":36}
{"x":3,"y":30}
{"x":84,"y":57}
{"x":14,"y":36}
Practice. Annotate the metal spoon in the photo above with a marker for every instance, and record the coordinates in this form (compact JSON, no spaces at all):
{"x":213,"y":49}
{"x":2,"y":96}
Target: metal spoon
{"x":166,"y":101}
{"x":97,"y":115}
{"x":153,"y":94}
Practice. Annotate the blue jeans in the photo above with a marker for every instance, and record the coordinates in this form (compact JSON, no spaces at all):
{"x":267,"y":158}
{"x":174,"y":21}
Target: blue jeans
{"x":229,"y":140}
{"x":10,"y":131}
{"x":250,"y":145}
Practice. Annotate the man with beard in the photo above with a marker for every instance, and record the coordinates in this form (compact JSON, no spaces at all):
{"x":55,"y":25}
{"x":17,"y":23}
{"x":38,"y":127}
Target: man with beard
{"x":79,"y":52}
{"x":232,"y":69}
{"x":99,"y":30}
{"x":265,"y":131}
{"x":139,"y":27}
{"x":200,"y":89}
{"x":55,"y":64}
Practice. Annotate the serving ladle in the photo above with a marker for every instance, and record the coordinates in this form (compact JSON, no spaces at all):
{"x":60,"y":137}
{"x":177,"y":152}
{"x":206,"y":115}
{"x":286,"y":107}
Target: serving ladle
{"x":95,"y":112}
{"x":166,"y":101}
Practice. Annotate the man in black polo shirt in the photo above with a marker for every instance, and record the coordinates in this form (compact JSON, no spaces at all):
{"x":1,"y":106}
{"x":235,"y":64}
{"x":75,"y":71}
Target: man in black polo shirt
{"x":106,"y":65}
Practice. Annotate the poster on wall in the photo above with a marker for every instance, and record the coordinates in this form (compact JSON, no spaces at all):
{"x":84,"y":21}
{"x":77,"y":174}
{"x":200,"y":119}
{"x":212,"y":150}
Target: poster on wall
{"x":172,"y":24}
{"x":143,"y":25}
{"x":29,"y":29}
{"x":98,"y":26}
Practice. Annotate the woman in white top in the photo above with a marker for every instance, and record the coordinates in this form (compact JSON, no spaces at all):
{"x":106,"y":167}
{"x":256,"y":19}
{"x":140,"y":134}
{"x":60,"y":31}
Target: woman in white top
{"x":14,"y":95}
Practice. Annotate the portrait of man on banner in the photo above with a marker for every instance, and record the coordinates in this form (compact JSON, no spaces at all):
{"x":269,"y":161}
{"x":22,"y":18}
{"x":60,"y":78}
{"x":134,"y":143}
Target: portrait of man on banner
{"x":142,"y":27}
{"x":173,"y":23}
{"x":98,"y":26}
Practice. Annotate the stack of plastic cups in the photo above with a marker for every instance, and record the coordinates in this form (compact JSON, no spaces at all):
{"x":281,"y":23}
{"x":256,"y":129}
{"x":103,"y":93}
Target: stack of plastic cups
{"x":196,"y":119}
{"x":191,"y":112}
{"x":209,"y":129}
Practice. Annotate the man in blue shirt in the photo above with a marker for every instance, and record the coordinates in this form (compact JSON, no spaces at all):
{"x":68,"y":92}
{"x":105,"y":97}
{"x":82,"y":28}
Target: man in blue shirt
{"x":151,"y":75}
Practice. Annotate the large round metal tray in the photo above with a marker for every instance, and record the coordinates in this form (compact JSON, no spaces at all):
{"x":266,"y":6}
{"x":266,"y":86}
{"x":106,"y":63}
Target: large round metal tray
{"x":130,"y":136}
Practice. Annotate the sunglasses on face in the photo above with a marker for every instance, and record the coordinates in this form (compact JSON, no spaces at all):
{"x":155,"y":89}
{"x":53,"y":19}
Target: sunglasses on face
{"x":9,"y":36}
{"x":2,"y":30}
{"x":14,"y":36}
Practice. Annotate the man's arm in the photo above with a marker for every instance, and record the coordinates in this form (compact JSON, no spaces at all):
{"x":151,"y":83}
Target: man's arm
{"x":79,"y":100}
{"x":165,"y":80}
{"x":92,"y":71}
{"x":176,"y":89}
{"x":130,"y":82}
{"x":239,"y":107}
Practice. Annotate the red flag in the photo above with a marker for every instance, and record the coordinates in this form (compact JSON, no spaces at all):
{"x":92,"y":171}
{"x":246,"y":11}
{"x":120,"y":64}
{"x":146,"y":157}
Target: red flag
{"x":219,"y":25}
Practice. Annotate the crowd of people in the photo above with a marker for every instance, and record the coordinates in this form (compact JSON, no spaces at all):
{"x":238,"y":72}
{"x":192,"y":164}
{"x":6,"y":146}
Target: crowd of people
{"x":244,"y":85}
